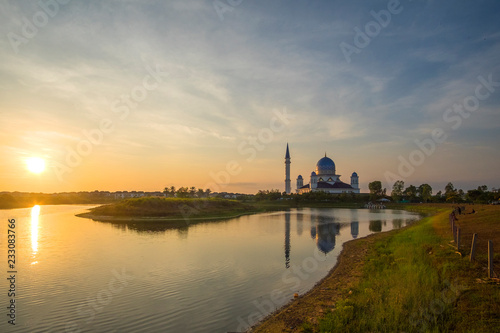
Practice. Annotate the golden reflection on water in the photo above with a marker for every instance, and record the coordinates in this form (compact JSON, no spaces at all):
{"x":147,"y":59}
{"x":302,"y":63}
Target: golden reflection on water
{"x":35,"y":212}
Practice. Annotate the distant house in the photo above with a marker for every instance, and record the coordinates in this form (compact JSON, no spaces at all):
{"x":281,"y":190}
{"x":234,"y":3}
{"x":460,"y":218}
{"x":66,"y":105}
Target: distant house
{"x":126,"y":194}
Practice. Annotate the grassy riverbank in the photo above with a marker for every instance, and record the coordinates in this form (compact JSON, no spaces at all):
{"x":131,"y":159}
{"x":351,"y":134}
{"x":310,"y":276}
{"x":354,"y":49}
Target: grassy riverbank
{"x":169,"y":209}
{"x":408,"y":280}
{"x":174,"y":209}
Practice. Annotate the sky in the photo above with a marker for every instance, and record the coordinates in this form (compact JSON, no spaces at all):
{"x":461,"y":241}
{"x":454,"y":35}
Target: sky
{"x":143,"y":95}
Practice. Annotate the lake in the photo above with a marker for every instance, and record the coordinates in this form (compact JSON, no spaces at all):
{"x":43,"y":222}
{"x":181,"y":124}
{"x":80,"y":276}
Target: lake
{"x":79,"y":275}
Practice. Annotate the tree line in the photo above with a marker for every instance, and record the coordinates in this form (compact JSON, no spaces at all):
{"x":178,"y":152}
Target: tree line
{"x":313,"y":196}
{"x":423,"y":193}
{"x":186,"y":192}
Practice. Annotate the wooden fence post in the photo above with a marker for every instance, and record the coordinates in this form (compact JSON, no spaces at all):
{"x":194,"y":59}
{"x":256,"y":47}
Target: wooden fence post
{"x":490,"y":259}
{"x":458,"y":238}
{"x":473,"y":248}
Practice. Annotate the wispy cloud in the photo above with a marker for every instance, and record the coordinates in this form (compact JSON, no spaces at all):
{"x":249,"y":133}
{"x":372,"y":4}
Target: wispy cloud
{"x":225,"y":78}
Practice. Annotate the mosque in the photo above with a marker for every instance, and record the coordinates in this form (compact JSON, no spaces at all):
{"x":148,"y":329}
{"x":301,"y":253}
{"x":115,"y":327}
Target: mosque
{"x":322,"y":179}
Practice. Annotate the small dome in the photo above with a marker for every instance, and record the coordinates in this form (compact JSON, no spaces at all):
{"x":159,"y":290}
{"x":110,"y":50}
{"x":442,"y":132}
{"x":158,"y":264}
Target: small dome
{"x":325,"y":166}
{"x":299,"y":177}
{"x":354,"y":174}
{"x":313,"y":173}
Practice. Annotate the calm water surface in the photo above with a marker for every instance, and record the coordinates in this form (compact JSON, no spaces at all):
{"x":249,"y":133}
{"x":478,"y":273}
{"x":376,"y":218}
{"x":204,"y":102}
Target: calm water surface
{"x":79,"y":275}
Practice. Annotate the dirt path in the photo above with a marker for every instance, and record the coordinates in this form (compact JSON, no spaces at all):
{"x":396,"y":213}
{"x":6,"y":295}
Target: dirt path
{"x":322,"y":298}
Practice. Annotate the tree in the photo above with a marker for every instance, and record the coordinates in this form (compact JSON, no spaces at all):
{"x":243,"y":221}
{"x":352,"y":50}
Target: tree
{"x":411,"y":193}
{"x":474,"y":195}
{"x":452,"y":194}
{"x":261,"y":195}
{"x":449,"y":191}
{"x":200,"y":193}
{"x":192,"y":191}
{"x":268,"y":195}
{"x":425,"y":192}
{"x":169,"y":191}
{"x":481,"y":195}
{"x":274,"y":194}
{"x":207,"y":192}
{"x":183,"y":192}
{"x":397,"y":190}
{"x":438,"y":197}
{"x":375,"y":189}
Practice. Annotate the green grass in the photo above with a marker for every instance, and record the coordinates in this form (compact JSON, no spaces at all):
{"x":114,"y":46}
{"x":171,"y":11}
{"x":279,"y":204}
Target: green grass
{"x":424,"y":209}
{"x":414,"y":282}
{"x":398,"y":284}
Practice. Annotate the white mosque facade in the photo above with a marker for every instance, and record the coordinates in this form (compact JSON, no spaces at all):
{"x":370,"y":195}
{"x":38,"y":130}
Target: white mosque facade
{"x":323,"y":178}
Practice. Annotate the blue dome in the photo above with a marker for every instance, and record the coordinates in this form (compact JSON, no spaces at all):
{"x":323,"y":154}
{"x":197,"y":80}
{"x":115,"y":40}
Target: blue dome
{"x":325,"y":166}
{"x":299,"y":177}
{"x":325,"y":237}
{"x":354,"y":174}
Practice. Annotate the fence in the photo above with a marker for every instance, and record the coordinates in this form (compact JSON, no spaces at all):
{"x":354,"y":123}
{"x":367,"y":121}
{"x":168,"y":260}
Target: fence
{"x":457,"y":237}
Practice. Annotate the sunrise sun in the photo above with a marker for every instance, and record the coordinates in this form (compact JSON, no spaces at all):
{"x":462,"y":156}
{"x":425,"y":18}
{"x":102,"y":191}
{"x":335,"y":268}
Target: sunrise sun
{"x":35,"y":164}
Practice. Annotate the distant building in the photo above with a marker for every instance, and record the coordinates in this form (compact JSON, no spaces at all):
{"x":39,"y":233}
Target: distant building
{"x":136,"y":194}
{"x":323,"y":178}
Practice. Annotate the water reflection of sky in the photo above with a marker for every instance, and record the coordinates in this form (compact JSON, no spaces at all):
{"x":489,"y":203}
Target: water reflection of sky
{"x":194,"y":278}
{"x":325,"y":225}
{"x":35,"y":213}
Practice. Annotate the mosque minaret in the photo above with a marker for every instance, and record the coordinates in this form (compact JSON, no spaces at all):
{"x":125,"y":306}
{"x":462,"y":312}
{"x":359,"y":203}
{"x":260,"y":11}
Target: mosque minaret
{"x":288,"y":188}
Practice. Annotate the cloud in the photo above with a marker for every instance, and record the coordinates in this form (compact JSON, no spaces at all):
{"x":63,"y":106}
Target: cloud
{"x":226,"y":78}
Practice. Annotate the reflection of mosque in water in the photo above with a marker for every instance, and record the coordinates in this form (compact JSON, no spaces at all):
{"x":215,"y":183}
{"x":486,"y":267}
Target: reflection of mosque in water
{"x":324,"y":234}
{"x":355,"y":229}
{"x":354,"y":224}
{"x":287,"y":239}
{"x":323,"y":230}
